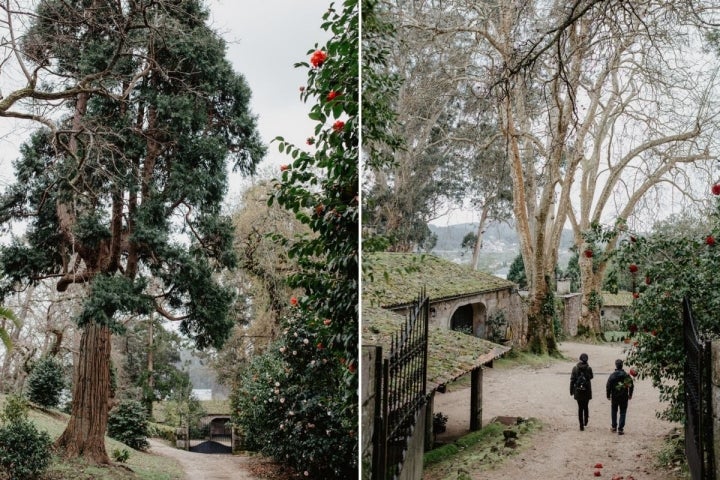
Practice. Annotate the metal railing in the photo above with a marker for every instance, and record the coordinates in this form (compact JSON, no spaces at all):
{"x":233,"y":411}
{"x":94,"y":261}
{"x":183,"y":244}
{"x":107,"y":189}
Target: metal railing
{"x":698,"y":400}
{"x":402,"y":391}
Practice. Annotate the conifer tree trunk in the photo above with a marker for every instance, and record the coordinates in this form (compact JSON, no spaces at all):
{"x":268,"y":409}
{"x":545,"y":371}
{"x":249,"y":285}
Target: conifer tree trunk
{"x":85,"y":432}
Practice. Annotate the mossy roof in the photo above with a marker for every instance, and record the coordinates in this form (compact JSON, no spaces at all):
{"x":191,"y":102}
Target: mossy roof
{"x":451,"y":354}
{"x":396,"y":279}
{"x":620,"y":299}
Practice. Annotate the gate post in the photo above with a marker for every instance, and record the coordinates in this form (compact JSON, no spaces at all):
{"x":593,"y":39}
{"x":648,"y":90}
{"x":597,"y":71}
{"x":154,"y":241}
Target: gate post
{"x":237,"y":439}
{"x":715,"y":402}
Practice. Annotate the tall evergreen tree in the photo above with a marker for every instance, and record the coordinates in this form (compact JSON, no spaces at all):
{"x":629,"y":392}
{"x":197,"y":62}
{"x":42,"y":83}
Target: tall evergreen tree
{"x":125,"y":198}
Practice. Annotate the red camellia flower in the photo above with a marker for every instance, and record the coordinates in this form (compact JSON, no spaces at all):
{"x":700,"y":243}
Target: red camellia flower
{"x":284,"y":167}
{"x":302,"y":88}
{"x":293,"y":301}
{"x":327,"y":321}
{"x":647,"y":280}
{"x":318,"y":58}
{"x":633,"y":328}
{"x":710,"y":240}
{"x":320,"y":209}
{"x":310,"y":140}
{"x":320,"y":346}
{"x":338,"y":126}
{"x":352,"y":367}
{"x":636,"y":295}
{"x":332,"y":95}
{"x":633,"y":238}
{"x":716,"y":189}
{"x":633,"y":372}
{"x":588,"y":253}
{"x":598,"y":465}
{"x":597,"y":473}
{"x":633,"y":268}
{"x":654,"y":333}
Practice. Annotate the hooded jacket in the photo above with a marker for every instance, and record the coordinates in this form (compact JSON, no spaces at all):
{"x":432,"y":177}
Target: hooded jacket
{"x":587,"y":371}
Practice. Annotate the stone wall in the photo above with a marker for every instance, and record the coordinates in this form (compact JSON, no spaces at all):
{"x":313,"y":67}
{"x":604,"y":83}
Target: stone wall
{"x":572,"y":309}
{"x":368,"y":375}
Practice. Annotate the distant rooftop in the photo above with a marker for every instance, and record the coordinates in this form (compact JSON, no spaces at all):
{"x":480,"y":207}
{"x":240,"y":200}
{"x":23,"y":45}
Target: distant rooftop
{"x":395,"y":279}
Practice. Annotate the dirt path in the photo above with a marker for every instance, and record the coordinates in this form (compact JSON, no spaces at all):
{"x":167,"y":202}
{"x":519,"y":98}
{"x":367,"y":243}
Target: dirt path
{"x":560,"y":449}
{"x":204,"y":466}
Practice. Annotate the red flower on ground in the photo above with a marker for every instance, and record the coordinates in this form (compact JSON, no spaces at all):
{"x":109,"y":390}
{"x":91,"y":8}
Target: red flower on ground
{"x":332,"y":95}
{"x":318,"y":58}
{"x":716,"y":189}
{"x":293,"y":301}
{"x":284,"y":167}
{"x":338,"y":126}
{"x":597,"y":473}
{"x":588,"y":253}
{"x":633,"y":268}
{"x":598,"y":465}
{"x":710,"y":240}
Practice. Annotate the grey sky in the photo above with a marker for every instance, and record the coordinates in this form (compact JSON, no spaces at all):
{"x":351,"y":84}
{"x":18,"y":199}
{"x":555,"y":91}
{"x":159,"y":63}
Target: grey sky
{"x":265,"y":39}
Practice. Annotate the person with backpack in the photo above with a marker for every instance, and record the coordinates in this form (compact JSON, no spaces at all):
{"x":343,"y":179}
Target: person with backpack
{"x":619,"y":391}
{"x":581,"y":388}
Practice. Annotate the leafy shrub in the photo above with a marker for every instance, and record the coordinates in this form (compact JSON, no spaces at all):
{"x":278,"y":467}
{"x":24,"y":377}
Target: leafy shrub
{"x":128,"y":423}
{"x":24,"y":451}
{"x":157,"y":430}
{"x":46,"y":382}
{"x":121,"y":456}
{"x":290,"y":408}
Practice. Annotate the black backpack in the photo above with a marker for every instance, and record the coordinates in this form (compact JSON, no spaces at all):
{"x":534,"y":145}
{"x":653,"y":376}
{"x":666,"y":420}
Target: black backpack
{"x":581,"y":383}
{"x":620,"y":392}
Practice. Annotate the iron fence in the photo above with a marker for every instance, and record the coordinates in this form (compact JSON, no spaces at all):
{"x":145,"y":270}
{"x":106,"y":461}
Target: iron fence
{"x":698,"y":400}
{"x":402,"y":391}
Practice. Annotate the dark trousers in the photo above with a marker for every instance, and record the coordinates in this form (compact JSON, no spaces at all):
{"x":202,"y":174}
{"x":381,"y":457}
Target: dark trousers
{"x":583,"y":411}
{"x":616,"y":405}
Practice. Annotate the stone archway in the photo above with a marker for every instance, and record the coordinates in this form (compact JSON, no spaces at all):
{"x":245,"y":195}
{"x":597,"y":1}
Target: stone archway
{"x":479,"y":320}
{"x":462,"y":319}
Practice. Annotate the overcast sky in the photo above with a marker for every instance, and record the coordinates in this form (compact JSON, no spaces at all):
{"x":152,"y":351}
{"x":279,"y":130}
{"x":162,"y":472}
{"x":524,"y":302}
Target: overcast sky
{"x":265,"y":39}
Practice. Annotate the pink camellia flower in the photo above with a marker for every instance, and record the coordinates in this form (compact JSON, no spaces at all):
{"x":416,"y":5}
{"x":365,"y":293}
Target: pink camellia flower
{"x":633,"y":268}
{"x":318,"y":58}
{"x":338,"y":126}
{"x":284,"y":167}
{"x":710,"y":240}
{"x":332,"y":95}
{"x":716,"y":189}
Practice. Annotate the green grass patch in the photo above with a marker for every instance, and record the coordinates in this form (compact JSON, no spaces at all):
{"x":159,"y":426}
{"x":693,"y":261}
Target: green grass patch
{"x":614,"y":336}
{"x":483,"y":449}
{"x":140,"y":465}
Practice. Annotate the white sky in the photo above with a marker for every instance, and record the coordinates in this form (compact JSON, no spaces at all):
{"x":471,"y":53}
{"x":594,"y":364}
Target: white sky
{"x":265,"y":39}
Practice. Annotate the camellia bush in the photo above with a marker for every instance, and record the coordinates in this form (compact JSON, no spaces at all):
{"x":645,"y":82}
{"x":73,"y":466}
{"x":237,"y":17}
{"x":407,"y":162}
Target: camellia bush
{"x":46,"y":382}
{"x":678,"y":260}
{"x":298,"y":402}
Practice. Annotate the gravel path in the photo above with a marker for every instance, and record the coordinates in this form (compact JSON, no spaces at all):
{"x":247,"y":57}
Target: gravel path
{"x":203,"y":466}
{"x":560,"y":449}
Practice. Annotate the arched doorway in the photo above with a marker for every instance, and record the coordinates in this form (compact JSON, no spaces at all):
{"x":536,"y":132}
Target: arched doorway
{"x":462,"y":320}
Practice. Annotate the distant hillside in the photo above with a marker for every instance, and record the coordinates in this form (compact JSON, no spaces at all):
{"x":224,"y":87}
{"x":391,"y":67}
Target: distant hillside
{"x":500,"y":245}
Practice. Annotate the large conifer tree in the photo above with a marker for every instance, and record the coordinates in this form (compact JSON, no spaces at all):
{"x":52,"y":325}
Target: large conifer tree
{"x":124,"y":198}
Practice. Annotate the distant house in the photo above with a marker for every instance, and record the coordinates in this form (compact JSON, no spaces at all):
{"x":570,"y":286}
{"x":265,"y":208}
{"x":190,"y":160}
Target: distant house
{"x":460,"y":298}
{"x":614,"y":304}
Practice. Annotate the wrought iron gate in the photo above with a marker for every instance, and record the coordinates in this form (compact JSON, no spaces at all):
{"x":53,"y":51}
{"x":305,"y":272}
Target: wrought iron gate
{"x":698,"y":401}
{"x":402,"y":391}
{"x":211,"y":435}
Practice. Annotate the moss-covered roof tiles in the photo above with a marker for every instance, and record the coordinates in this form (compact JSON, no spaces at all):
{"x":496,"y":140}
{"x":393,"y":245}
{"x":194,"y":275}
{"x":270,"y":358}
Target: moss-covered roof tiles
{"x":394,"y":279}
{"x":620,"y":299}
{"x":451,"y":354}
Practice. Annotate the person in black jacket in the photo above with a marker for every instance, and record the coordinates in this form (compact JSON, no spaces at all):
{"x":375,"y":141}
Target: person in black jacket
{"x":619,"y":391}
{"x":581,"y":388}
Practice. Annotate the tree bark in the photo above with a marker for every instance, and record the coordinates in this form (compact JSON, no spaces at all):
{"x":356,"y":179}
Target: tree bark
{"x":85,"y":432}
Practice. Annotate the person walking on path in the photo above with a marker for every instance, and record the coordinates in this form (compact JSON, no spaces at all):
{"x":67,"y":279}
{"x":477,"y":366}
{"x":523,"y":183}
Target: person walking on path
{"x":619,"y":391}
{"x":581,"y":388}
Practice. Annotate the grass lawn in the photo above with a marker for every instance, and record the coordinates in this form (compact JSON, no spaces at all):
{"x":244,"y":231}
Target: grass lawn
{"x":140,"y":465}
